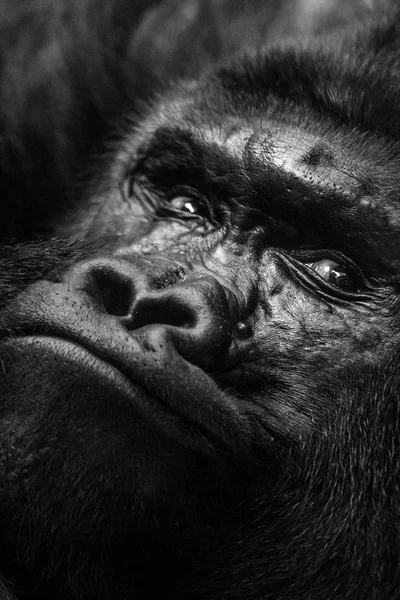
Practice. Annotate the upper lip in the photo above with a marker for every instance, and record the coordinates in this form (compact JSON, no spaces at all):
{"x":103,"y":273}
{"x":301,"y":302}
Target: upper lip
{"x":150,"y":362}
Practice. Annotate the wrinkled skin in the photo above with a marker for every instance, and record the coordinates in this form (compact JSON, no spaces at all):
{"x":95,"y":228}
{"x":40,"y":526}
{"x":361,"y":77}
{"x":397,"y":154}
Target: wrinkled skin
{"x":204,"y":403}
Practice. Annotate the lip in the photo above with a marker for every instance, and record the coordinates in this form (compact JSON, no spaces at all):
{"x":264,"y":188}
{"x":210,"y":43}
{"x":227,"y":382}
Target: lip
{"x":153,"y":408}
{"x":75,"y":352}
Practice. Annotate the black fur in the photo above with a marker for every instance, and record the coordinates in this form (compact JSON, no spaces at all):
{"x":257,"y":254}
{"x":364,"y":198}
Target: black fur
{"x":276,"y":475}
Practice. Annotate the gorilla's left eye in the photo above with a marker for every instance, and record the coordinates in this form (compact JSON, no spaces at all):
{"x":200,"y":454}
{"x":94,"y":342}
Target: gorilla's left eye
{"x":335,"y":274}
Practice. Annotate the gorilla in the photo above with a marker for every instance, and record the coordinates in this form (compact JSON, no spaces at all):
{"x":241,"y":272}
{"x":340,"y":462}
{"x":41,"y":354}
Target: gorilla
{"x":199,"y":308}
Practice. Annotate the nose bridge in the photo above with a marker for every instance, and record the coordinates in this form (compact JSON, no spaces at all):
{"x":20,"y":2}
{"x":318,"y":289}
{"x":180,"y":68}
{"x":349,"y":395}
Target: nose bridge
{"x":159,"y":272}
{"x":236,"y":273}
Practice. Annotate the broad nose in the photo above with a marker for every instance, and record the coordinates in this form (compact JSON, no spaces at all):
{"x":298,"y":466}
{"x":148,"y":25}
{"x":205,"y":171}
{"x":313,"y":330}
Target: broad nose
{"x":193,"y":310}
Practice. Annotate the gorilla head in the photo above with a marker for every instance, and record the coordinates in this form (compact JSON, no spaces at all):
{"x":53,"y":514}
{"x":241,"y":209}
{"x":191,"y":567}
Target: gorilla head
{"x":199,"y":382}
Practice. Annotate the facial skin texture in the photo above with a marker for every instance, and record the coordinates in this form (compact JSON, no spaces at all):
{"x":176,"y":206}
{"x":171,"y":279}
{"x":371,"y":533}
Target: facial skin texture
{"x":198,"y":353}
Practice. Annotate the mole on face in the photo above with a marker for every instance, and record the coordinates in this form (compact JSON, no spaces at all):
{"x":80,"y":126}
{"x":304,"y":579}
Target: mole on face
{"x":319,"y":155}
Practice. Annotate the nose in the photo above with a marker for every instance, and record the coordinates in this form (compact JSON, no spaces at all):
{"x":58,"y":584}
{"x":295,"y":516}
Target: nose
{"x":193,"y":311}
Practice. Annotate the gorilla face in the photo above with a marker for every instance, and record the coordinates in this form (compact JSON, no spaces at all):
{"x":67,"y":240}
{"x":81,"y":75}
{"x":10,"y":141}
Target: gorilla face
{"x":209,"y":390}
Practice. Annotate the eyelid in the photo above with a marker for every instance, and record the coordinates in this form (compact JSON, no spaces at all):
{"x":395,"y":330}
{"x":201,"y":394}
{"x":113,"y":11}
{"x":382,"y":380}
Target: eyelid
{"x":315,"y":255}
{"x":309,"y":278}
{"x":184,"y":190}
{"x":353,"y":270}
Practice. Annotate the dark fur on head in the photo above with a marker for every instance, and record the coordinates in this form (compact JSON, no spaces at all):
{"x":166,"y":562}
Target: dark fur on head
{"x":70,"y":68}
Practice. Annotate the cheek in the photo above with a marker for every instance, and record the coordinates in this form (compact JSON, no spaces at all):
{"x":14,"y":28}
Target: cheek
{"x":307,"y":330}
{"x":152,"y":238}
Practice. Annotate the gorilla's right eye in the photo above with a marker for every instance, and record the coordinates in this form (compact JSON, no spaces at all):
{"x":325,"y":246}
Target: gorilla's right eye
{"x":187,"y":203}
{"x":184,"y":204}
{"x":190,"y":203}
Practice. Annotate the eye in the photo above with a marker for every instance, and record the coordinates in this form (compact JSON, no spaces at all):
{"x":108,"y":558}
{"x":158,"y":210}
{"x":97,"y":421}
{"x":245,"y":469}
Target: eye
{"x":187,"y":203}
{"x":335,"y":273}
{"x":183,"y":203}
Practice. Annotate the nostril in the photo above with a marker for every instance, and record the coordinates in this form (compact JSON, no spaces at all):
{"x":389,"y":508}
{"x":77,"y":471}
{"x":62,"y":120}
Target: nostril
{"x":115,"y":292}
{"x":163,"y":311}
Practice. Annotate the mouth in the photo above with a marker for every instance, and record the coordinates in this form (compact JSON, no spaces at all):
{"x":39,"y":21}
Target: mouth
{"x":179,"y":399}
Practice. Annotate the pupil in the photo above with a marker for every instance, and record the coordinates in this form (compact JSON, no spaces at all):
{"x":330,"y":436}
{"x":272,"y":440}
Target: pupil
{"x":182,"y":204}
{"x":189,"y":207}
{"x":341,"y":279}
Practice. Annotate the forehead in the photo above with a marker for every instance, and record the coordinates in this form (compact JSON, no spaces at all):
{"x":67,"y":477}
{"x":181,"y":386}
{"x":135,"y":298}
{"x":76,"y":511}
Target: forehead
{"x":295,"y":151}
{"x":297,"y":141}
